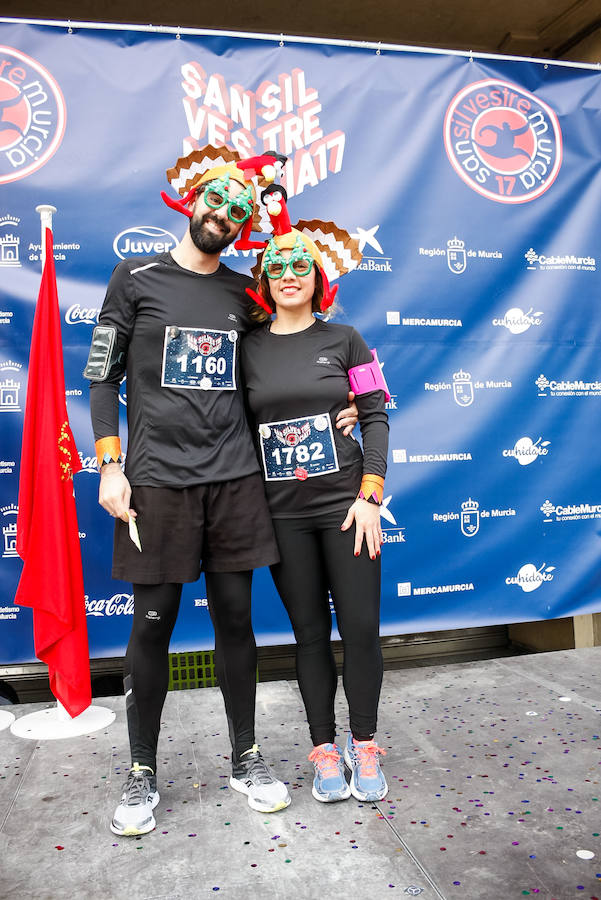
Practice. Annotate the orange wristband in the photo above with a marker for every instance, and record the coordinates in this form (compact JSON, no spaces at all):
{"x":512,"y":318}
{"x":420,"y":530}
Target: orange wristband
{"x":108,"y":450}
{"x":372,"y":489}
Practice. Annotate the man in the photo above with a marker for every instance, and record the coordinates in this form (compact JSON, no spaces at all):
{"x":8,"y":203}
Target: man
{"x":192,"y":492}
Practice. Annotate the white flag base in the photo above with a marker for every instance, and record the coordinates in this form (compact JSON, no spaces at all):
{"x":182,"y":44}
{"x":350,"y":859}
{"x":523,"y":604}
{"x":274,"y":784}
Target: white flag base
{"x":55,"y":723}
{"x":6,"y":719}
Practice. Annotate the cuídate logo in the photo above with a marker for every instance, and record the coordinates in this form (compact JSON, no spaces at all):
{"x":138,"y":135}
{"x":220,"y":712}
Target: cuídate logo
{"x":503,"y":141}
{"x":32,"y":115}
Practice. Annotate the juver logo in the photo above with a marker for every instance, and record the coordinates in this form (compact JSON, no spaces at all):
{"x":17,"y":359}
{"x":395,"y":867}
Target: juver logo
{"x":143,"y":240}
{"x":503,"y":141}
{"x":32,"y":115}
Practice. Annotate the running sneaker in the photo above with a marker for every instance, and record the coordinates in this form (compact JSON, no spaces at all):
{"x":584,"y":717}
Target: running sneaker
{"x":367,"y":778}
{"x":140,"y":796}
{"x":329,"y":783}
{"x":252,"y":776}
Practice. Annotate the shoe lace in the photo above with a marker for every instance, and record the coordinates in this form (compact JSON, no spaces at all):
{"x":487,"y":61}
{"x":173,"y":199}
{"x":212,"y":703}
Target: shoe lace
{"x":256,"y":767}
{"x":137,"y":786}
{"x":326,"y":760}
{"x":367,"y":757}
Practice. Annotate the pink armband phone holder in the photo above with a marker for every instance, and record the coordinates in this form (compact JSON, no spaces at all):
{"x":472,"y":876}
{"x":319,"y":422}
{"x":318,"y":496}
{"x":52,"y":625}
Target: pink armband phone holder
{"x":368,"y":377}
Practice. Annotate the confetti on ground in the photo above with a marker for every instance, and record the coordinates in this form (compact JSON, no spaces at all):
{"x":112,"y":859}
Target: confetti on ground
{"x":484,"y":762}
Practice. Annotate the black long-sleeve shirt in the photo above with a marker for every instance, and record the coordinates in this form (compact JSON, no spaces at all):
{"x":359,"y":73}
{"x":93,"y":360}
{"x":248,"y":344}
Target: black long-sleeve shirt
{"x":179,"y":335}
{"x":296,"y":384}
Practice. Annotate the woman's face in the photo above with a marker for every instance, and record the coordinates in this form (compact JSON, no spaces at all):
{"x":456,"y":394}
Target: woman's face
{"x":293,"y":292}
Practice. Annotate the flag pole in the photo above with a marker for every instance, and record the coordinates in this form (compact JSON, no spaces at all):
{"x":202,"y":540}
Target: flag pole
{"x":56,"y":722}
{"x":46,"y":212}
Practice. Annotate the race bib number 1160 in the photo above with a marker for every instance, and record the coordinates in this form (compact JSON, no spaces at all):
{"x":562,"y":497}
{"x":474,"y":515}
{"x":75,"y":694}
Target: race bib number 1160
{"x":199,"y":358}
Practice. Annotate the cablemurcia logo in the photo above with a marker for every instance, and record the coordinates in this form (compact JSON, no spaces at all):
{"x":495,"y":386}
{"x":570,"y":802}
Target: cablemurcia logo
{"x":503,"y":141}
{"x":32,"y":115}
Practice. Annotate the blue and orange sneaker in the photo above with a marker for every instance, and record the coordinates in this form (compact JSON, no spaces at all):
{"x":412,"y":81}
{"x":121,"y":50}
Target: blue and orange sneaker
{"x":367,"y":778}
{"x":329,"y":784}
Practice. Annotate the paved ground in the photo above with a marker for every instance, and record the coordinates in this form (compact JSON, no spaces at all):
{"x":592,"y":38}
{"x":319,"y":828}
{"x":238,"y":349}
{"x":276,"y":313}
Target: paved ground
{"x":493,"y":767}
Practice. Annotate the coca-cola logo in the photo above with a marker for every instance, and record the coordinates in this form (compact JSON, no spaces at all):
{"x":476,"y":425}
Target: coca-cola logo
{"x":81,"y":315}
{"x":88,"y":463}
{"x":117,"y":605}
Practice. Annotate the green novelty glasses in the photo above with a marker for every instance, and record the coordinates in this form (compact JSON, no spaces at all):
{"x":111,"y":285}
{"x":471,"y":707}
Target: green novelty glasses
{"x":300,"y":262}
{"x":239,"y":208}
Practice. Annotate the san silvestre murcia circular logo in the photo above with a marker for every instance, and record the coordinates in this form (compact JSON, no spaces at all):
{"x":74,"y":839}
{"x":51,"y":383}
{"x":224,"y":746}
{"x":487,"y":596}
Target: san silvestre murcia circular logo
{"x":503,"y":141}
{"x":32,"y":115}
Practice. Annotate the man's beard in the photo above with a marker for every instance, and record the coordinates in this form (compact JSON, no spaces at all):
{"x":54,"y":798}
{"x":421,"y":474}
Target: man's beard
{"x":209,"y":241}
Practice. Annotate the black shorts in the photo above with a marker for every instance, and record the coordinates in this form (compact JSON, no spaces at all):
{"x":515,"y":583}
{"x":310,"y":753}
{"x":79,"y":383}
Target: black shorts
{"x":224,"y":526}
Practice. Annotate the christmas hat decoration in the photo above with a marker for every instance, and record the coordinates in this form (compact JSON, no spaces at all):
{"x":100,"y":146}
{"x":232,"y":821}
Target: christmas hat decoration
{"x":332,"y":248}
{"x":202,"y":166}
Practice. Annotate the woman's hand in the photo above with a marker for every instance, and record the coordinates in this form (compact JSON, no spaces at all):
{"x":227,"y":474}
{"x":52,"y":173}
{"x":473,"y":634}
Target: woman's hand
{"x":366,"y":517}
{"x":115,"y":492}
{"x":348,"y":418}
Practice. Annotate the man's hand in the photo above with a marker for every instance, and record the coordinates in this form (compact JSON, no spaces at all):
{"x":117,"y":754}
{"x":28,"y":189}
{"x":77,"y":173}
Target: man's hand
{"x":115,"y":492}
{"x":348,"y":418}
{"x":366,"y":517}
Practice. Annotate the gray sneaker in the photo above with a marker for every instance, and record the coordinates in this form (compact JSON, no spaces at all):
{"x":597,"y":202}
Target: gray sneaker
{"x":140,"y":796}
{"x":252,"y":776}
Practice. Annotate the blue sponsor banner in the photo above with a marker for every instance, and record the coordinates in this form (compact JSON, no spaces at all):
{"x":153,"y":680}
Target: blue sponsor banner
{"x":474,"y":188}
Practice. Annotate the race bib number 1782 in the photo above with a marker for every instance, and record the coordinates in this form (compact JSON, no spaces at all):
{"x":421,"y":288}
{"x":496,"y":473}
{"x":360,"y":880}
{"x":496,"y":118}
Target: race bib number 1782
{"x":298,"y":448}
{"x":199,"y":358}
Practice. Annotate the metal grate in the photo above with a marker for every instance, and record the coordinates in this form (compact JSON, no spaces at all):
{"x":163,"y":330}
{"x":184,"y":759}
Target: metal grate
{"x":192,"y":670}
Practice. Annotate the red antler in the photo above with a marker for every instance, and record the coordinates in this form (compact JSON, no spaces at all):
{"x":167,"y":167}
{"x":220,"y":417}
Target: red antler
{"x":180,"y":205}
{"x":258,"y":298}
{"x":329,"y":293}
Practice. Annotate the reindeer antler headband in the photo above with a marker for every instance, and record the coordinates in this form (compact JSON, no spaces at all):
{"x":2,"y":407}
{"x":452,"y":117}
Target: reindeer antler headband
{"x":332,"y":248}
{"x":219,"y":164}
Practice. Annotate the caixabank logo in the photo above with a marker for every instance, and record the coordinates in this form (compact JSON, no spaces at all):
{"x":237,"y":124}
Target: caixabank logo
{"x":32,"y":115}
{"x":503,"y":141}
{"x":391,"y":533}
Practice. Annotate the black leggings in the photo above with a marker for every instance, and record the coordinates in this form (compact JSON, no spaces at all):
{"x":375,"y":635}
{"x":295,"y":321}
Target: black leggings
{"x":316,"y":555}
{"x":146,"y":667}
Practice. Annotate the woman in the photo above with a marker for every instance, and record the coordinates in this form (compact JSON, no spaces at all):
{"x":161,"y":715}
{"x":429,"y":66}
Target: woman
{"x":319,"y":485}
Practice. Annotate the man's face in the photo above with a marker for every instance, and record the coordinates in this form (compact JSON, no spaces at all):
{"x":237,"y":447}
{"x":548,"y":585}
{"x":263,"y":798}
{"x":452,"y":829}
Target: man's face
{"x":210,"y":229}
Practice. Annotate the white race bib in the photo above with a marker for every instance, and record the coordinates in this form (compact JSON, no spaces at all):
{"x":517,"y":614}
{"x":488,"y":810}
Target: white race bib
{"x":202,"y":359}
{"x":298,"y":448}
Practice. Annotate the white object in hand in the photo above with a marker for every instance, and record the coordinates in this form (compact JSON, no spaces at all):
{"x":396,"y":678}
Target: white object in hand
{"x":133,"y":533}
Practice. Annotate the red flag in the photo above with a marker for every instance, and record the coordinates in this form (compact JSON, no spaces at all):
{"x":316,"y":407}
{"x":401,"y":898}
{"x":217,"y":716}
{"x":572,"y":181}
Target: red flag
{"x":47,"y":532}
